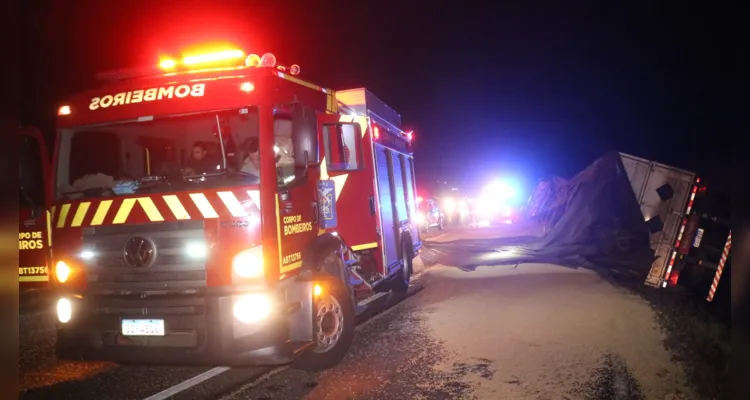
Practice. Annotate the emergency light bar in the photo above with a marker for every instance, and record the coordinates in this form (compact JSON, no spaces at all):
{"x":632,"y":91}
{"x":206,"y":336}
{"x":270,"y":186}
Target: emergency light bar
{"x":225,"y":59}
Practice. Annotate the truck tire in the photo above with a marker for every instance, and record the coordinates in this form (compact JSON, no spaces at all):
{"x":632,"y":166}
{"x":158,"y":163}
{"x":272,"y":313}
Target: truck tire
{"x":403,"y":277}
{"x":333,"y":320}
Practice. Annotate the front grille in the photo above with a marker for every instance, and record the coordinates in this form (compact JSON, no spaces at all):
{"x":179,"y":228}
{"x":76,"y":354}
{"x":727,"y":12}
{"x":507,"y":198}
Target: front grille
{"x":171,"y":269}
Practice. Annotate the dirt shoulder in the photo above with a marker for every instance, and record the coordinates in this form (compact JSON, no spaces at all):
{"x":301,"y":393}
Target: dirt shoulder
{"x":696,"y":340}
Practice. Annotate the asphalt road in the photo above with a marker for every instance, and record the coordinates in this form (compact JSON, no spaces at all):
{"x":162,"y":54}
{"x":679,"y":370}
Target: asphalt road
{"x":533,"y":331}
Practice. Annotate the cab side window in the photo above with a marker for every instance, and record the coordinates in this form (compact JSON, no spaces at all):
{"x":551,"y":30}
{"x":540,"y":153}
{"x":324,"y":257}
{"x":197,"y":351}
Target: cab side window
{"x":342,"y":147}
{"x":31,"y":173}
{"x":283,"y":149}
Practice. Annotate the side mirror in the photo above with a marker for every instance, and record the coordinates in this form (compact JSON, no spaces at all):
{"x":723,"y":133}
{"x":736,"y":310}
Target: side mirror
{"x":305,"y":137}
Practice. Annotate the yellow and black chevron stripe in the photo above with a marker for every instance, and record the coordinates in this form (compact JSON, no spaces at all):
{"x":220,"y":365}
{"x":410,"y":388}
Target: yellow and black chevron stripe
{"x":157,"y":208}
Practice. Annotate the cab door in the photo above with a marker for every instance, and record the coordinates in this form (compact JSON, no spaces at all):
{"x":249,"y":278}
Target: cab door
{"x":296,"y":208}
{"x":34,"y":238}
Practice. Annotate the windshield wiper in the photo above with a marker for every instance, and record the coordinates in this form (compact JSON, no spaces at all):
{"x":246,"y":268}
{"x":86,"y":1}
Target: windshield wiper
{"x":233,"y":173}
{"x":95,"y":191}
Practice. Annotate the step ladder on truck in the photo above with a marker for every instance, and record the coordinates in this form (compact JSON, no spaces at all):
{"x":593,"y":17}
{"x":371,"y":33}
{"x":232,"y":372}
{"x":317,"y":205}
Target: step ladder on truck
{"x":226,"y":211}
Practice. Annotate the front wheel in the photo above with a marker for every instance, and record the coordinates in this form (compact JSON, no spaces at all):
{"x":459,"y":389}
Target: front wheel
{"x":333,"y":327}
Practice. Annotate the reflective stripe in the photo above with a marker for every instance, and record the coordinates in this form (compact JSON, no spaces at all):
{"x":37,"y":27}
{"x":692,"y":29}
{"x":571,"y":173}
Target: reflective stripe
{"x":63,"y":215}
{"x":80,"y":214}
{"x":149,"y":207}
{"x":124,"y":211}
{"x":365,"y":246}
{"x":204,"y":206}
{"x":37,"y":278}
{"x":49,"y":226}
{"x":175,"y":205}
{"x":101,"y":212}
{"x":255,"y":197}
{"x":234,"y":206}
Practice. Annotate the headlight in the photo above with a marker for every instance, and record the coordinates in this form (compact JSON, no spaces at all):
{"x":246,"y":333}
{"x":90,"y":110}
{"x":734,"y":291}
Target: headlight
{"x":449,"y":205}
{"x":249,"y":263}
{"x":252,"y":308}
{"x":62,"y":271}
{"x":196,"y":250}
{"x":64,"y":310}
{"x":419,"y":218}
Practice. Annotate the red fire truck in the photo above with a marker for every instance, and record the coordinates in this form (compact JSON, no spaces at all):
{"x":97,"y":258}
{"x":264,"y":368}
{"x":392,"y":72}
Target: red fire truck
{"x":33,"y":229}
{"x":218,"y":209}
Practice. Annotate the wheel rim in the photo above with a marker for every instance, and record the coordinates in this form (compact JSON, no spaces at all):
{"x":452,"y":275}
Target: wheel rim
{"x":329,"y":324}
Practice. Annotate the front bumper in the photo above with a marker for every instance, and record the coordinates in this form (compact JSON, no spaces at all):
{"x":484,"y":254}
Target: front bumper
{"x":198,"y":330}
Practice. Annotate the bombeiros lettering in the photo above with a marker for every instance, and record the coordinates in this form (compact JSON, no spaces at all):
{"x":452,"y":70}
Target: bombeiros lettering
{"x":30,"y":241}
{"x":293,"y":225}
{"x":150,"y":94}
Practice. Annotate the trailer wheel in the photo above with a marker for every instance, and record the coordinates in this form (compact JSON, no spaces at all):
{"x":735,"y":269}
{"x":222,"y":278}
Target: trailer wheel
{"x":333,"y":321}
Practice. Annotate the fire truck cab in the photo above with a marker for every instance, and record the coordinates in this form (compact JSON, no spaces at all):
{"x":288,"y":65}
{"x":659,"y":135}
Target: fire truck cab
{"x":222,"y":210}
{"x":33,"y":230}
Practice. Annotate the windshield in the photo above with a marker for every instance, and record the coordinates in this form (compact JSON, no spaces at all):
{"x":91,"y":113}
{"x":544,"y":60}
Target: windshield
{"x":31,"y":176}
{"x":159,"y":155}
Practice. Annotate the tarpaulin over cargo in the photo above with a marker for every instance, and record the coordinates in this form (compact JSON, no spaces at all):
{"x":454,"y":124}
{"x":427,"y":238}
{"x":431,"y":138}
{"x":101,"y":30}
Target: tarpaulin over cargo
{"x":594,"y":220}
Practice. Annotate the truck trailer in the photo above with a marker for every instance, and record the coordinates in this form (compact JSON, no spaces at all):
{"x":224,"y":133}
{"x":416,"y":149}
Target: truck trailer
{"x":666,"y":196}
{"x":219,"y":209}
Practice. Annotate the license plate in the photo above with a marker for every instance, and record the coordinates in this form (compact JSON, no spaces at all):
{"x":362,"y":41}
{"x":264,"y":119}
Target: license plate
{"x":143,"y":327}
{"x":698,"y":238}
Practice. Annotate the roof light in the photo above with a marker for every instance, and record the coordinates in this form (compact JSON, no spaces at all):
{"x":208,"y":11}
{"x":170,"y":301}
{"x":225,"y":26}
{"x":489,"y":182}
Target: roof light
{"x":167,"y":63}
{"x":268,"y":60}
{"x":253,"y":60}
{"x":294,"y":69}
{"x":247,"y":87}
{"x":63,"y":110}
{"x":213,"y":57}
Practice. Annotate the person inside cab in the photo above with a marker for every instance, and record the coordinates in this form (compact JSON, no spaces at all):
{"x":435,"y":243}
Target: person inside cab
{"x":251,"y":160}
{"x":200,"y":162}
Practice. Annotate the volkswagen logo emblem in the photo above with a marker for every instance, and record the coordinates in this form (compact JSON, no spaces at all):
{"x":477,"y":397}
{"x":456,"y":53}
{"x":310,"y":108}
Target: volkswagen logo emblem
{"x":139,"y":252}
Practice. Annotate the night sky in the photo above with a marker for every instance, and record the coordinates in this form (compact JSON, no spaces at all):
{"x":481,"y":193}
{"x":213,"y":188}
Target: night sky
{"x":521,"y":89}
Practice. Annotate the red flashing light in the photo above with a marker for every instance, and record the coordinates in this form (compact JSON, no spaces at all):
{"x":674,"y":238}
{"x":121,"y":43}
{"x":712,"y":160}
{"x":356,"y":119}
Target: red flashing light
{"x":213,"y":57}
{"x":268,"y":60}
{"x":409,"y":135}
{"x":219,"y":58}
{"x":253,"y":60}
{"x":247,"y":87}
{"x":63,"y":110}
{"x":167,"y":63}
{"x":376,"y":131}
{"x":419,"y":199}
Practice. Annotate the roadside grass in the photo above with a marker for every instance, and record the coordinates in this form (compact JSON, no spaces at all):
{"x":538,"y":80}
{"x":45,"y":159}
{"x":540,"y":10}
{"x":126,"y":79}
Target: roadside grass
{"x":696,"y":338}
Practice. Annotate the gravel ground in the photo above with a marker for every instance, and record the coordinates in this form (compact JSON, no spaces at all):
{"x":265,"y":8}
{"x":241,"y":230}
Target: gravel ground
{"x":537,"y":331}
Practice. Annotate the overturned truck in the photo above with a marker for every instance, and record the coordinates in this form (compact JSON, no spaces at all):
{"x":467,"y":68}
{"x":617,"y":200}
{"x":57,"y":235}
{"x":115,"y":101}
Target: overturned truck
{"x":671,"y":203}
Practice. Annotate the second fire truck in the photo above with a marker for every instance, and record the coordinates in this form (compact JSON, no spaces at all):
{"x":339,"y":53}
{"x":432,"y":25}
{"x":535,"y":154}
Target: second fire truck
{"x":222,"y":210}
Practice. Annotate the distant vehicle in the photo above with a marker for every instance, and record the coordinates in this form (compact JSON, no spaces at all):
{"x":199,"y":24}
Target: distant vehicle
{"x":429,"y":215}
